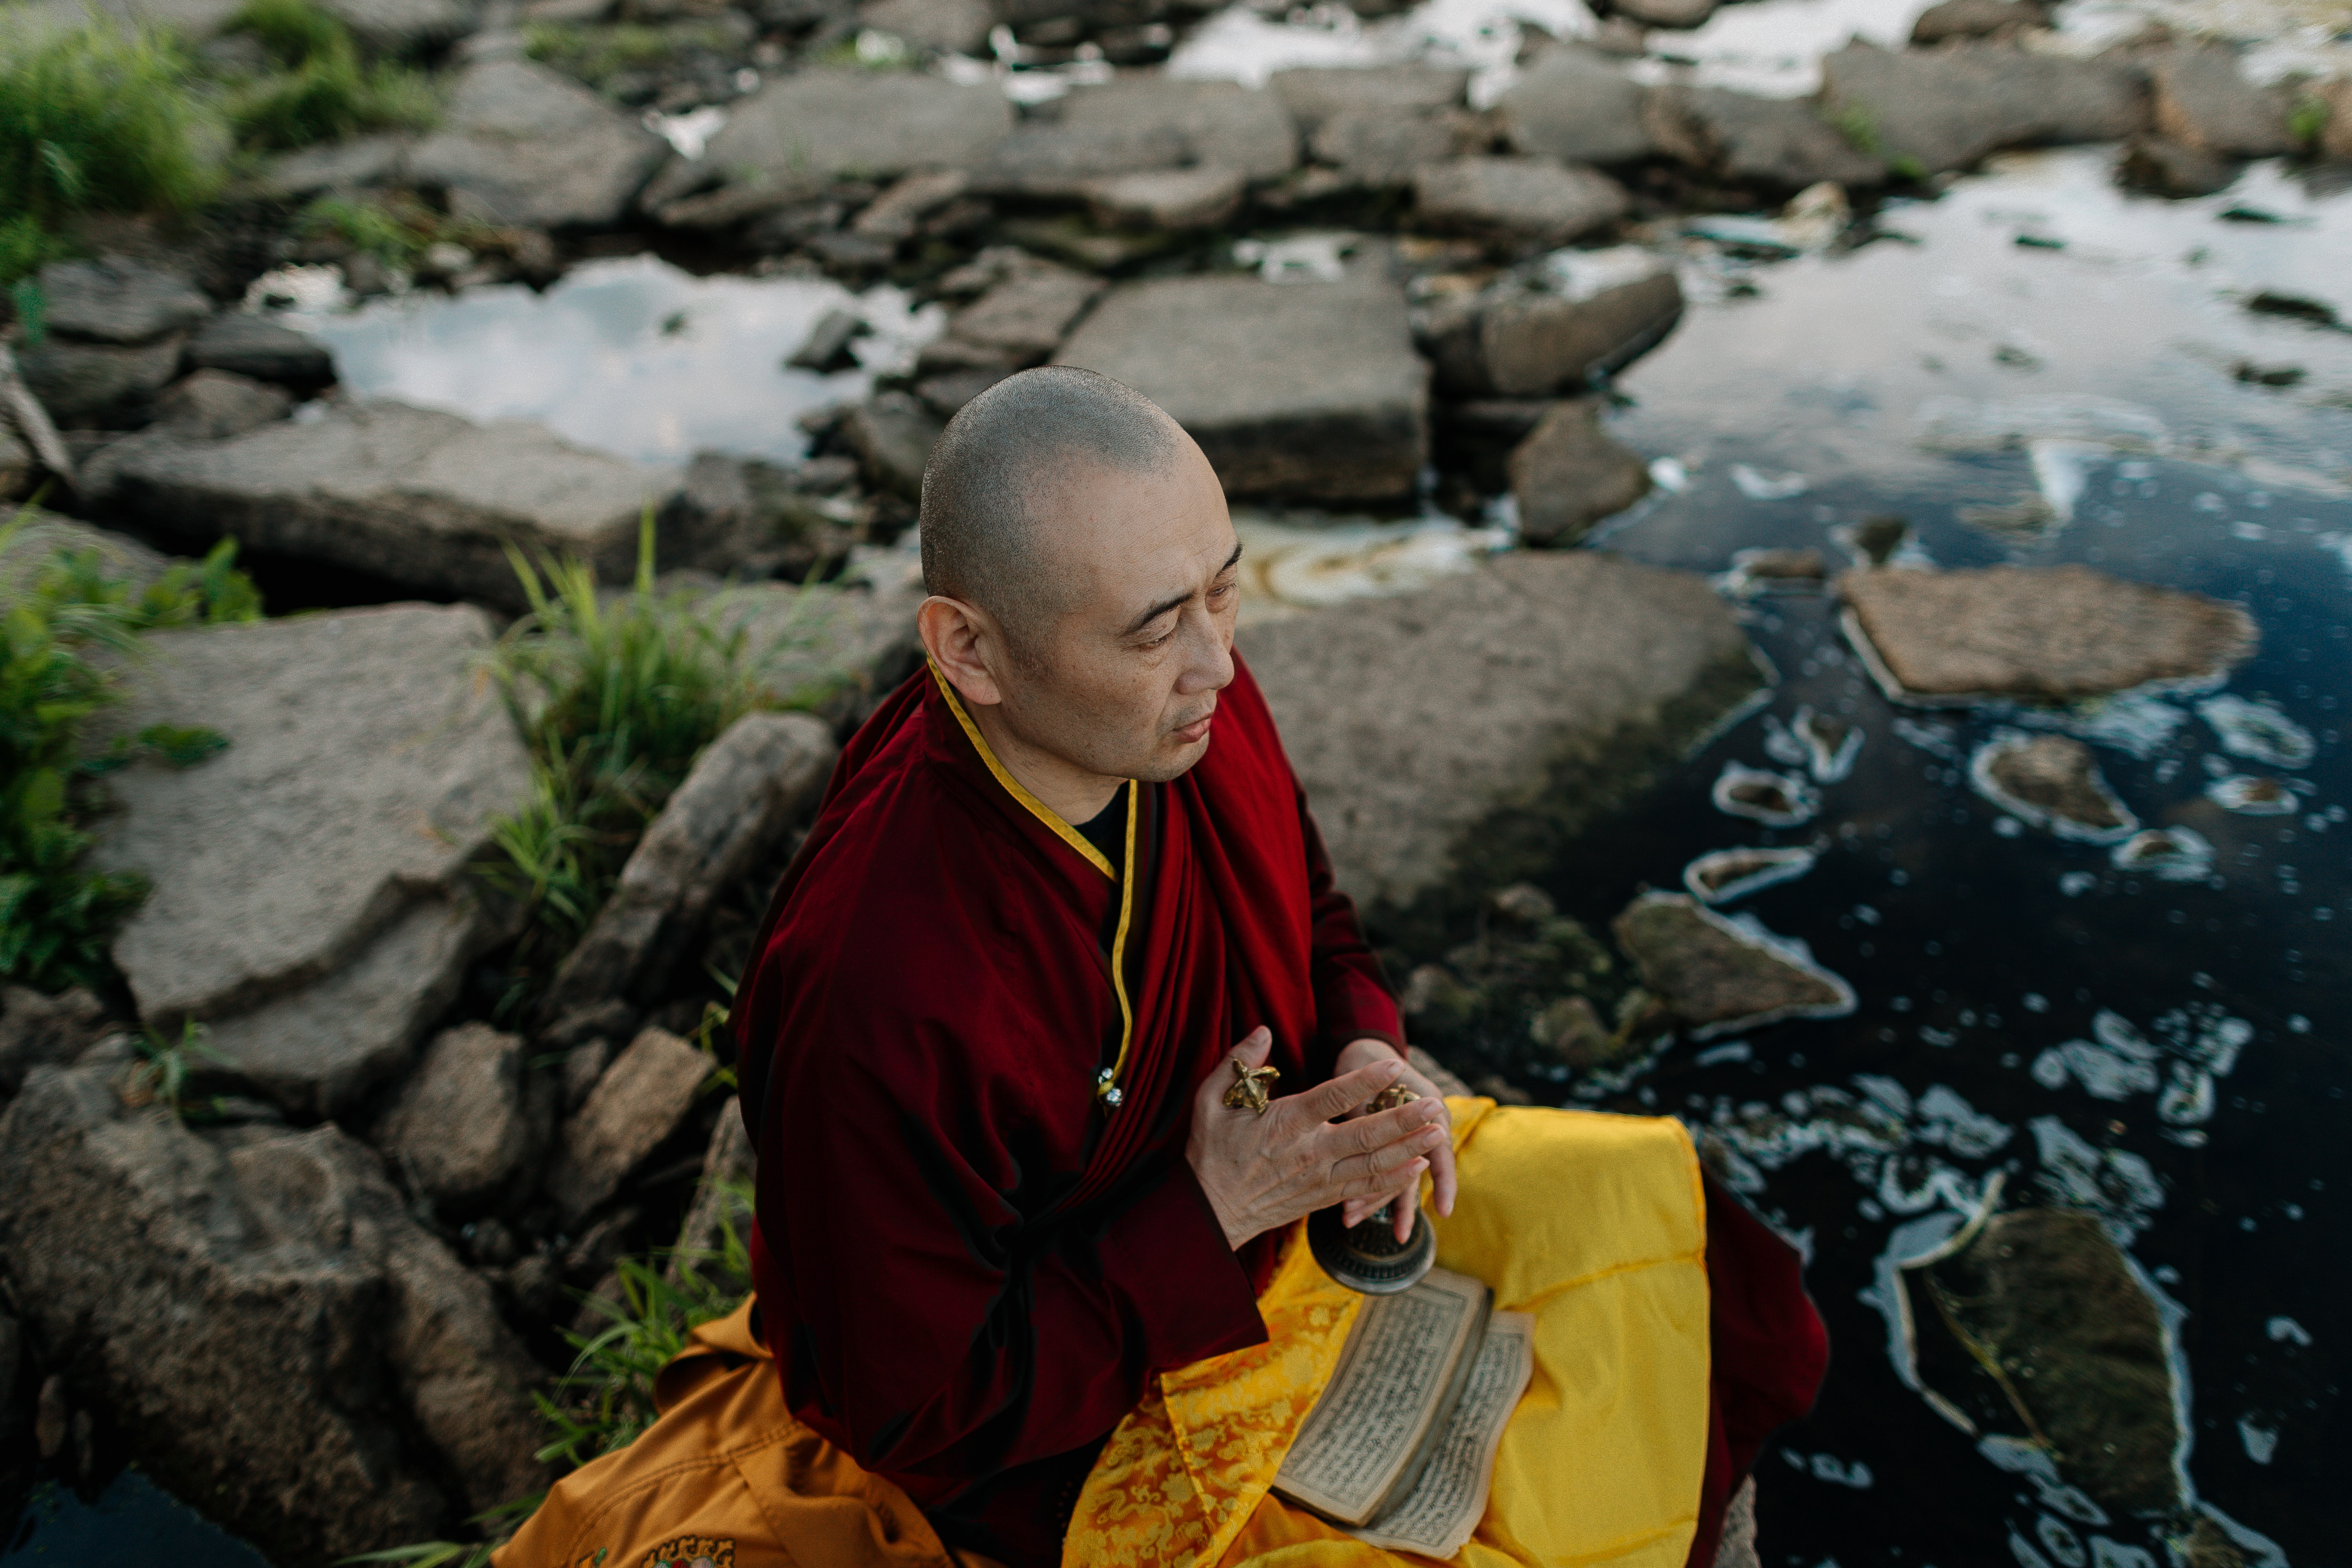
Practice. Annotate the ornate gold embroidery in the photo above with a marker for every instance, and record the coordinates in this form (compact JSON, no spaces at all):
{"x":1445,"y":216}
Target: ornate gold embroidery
{"x":691,"y":1551}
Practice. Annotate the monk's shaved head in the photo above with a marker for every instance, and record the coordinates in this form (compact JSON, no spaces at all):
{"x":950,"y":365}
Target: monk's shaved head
{"x":1002,"y":458}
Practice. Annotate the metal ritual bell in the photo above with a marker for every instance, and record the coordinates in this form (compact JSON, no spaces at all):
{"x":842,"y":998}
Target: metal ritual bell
{"x":1368,"y":1257}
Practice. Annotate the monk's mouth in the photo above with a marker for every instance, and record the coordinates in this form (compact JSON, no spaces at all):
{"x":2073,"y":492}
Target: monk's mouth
{"x":1196,"y":730}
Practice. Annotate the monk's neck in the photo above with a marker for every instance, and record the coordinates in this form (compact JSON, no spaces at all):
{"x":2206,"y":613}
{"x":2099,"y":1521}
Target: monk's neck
{"x":1073,"y":793}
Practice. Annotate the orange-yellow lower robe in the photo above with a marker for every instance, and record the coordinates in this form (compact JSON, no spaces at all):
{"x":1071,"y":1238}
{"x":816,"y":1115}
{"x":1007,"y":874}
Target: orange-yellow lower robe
{"x":1595,"y":1223}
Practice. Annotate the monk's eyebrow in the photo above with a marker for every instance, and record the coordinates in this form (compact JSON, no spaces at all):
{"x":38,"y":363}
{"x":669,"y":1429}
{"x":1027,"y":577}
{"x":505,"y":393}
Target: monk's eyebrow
{"x":1171,"y":603}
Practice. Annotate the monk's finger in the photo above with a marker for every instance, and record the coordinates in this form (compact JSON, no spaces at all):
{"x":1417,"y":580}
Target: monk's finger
{"x":1380,"y":1185}
{"x":1366,"y":1133}
{"x":1254,"y":1047}
{"x":1344,"y":1093}
{"x":1444,"y":1177}
{"x":1392,"y":1158}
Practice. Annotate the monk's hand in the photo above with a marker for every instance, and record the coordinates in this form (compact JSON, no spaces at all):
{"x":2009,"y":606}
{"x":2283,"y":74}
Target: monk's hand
{"x":1263,"y":1171}
{"x":1366,"y":1053}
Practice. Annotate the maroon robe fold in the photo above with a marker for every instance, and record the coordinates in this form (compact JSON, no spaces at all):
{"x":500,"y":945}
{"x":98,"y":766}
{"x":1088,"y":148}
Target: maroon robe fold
{"x":966,"y":1267}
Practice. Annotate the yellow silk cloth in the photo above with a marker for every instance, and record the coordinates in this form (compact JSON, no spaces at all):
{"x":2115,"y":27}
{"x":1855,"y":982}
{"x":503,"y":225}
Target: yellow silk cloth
{"x":1595,"y":1223}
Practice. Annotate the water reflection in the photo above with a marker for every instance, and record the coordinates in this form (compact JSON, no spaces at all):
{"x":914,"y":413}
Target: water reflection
{"x":630,"y":355}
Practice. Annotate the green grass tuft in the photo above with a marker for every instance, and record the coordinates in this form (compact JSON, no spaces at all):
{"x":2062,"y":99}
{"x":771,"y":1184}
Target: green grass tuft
{"x":320,"y":90}
{"x":2307,"y":121}
{"x":55,"y":915}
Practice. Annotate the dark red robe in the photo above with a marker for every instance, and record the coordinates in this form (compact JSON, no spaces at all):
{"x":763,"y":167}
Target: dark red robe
{"x":966,"y":1267}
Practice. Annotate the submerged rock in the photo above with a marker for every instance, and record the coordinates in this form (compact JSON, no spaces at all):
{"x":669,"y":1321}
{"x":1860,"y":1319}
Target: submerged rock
{"x":529,"y":146}
{"x":2257,"y":731}
{"x":2169,"y":854}
{"x":1538,"y":344}
{"x":423,"y":497}
{"x":2043,"y":635}
{"x":1720,"y":976}
{"x":257,"y":1315}
{"x":2050,"y":781}
{"x":1304,"y":389}
{"x":2167,"y":168}
{"x":1536,"y":203}
{"x":1782,"y":143}
{"x":1569,"y":474}
{"x":1948,"y":107}
{"x":1573,"y":105}
{"x":308,"y":896}
{"x":1775,"y":799}
{"x":1531,"y":692}
{"x":2250,"y":796}
{"x":1725,"y":876}
{"x":2048,"y":1298}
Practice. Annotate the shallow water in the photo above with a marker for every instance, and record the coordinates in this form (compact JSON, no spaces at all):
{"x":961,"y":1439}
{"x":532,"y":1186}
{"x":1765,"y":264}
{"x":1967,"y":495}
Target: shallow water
{"x":132,"y":1523}
{"x":631,"y":355}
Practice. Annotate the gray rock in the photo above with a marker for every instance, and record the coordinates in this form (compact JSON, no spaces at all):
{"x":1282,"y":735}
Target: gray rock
{"x":1314,"y":95}
{"x":892,"y":435}
{"x":744,"y":791}
{"x":424,"y":497}
{"x":898,"y":212}
{"x":117,"y":299}
{"x":212,"y":406}
{"x":2048,"y":636}
{"x":193,"y":20}
{"x":17,"y":463}
{"x":282,"y":1340}
{"x":1051,"y":159}
{"x":1720,"y":978}
{"x":2201,"y":99}
{"x":1948,"y":107}
{"x":2051,"y":782}
{"x":729,"y":1165}
{"x":1381,"y":150}
{"x":2167,"y":168}
{"x":583,"y":1064}
{"x":830,"y":124}
{"x":950,"y":26}
{"x":1534,"y":202}
{"x":2335,"y":128}
{"x":530,"y":146}
{"x":1952,"y":19}
{"x":1665,"y":13}
{"x":1533,"y":345}
{"x":307,"y":881}
{"x":640,"y":1101}
{"x":248,"y":345}
{"x":1435,"y":731}
{"x":1165,"y":199}
{"x":1576,"y":107}
{"x":357,"y":163}
{"x":37,"y":1031}
{"x":1219,"y":124}
{"x":832,"y":652}
{"x":37,"y":540}
{"x":1023,"y":320}
{"x":1782,"y":143}
{"x":460,"y":1128}
{"x":101,"y":386}
{"x":1306,"y":390}
{"x":1569,"y":474}
{"x":407,"y":26}
{"x":827,"y":346}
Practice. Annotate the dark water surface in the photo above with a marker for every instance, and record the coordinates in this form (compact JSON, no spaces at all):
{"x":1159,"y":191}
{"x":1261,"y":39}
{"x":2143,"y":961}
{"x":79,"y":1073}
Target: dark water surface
{"x":133,"y":1523}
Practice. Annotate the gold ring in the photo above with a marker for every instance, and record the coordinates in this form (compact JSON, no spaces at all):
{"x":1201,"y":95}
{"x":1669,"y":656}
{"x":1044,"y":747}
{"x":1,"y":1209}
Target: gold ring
{"x":1248,"y":1090}
{"x":1388,"y":1099}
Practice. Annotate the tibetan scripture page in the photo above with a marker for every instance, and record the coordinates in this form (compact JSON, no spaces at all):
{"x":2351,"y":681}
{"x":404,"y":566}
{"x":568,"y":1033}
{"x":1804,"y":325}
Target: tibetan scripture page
{"x":1444,"y":1506}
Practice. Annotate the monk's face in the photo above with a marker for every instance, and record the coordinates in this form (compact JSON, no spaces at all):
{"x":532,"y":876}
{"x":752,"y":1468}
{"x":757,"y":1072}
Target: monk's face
{"x":1121,"y":678}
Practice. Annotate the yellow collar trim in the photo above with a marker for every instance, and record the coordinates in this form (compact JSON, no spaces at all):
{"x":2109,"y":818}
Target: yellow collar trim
{"x":1037,"y":809}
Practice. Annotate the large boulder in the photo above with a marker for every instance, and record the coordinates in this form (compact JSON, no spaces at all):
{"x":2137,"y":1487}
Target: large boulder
{"x":254,"y":1312}
{"x":837,"y":124}
{"x":309,"y":899}
{"x":744,"y":791}
{"x":1780,"y":143}
{"x":1380,"y":123}
{"x":117,"y":299}
{"x":1569,"y":474}
{"x":423,"y":497}
{"x":1447,"y":736}
{"x":105,"y":386}
{"x":1573,"y":105}
{"x":528,"y":146}
{"x":1531,"y":345}
{"x":2050,"y":635}
{"x":1517,"y":202}
{"x":1932,"y":109}
{"x":1017,"y":323}
{"x":2201,"y":99}
{"x":1304,"y":389}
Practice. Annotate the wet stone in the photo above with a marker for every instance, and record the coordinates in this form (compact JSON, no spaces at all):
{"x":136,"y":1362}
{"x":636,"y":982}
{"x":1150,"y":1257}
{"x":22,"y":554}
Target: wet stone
{"x":248,"y":345}
{"x":1725,"y":876}
{"x":116,"y":299}
{"x":1569,"y":474}
{"x":1780,"y":143}
{"x":834,"y":124}
{"x":1306,"y":390}
{"x":1665,"y":13}
{"x":2169,"y":854}
{"x":528,"y":145}
{"x":1954,"y":19}
{"x":2049,"y":1297}
{"x":2167,"y":168}
{"x":1538,"y":202}
{"x":2202,"y":101}
{"x":2335,"y":130}
{"x":2043,"y":636}
{"x":1775,"y":799}
{"x":2257,"y":731}
{"x":2050,"y":781}
{"x":1574,"y":106}
{"x":211,"y":405}
{"x":827,"y":346}
{"x":2250,"y":796}
{"x":1166,"y":198}
{"x":1948,"y":107}
{"x":1718,"y":977}
{"x":1530,"y":345}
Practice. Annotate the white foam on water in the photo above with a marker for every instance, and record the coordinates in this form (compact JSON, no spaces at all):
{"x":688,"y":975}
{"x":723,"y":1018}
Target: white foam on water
{"x":2250,"y":795}
{"x":2115,"y":1183}
{"x":1761,"y":487}
{"x":2257,"y":730}
{"x":2102,"y":1074}
{"x":2260,"y":1443}
{"x":1289,"y":566}
{"x":2286,"y":1331}
{"x":2168,"y":854}
{"x":1802,"y":801}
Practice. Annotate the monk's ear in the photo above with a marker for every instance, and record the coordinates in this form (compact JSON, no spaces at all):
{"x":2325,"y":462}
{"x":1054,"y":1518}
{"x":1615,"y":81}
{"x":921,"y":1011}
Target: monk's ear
{"x":960,"y":640}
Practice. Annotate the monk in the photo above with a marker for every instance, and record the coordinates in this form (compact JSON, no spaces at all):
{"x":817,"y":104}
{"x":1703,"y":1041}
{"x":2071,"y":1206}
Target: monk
{"x":1029,"y":1289}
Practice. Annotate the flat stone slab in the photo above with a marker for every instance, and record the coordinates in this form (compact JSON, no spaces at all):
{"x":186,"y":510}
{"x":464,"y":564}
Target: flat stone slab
{"x":1539,"y":682}
{"x":116,"y":299}
{"x":1525,"y":201}
{"x":1721,"y":976}
{"x":424,"y":497}
{"x":1569,"y":474}
{"x":1947,"y":108}
{"x":1737,"y":137}
{"x":1222,"y":125}
{"x":366,"y":760}
{"x":1317,"y":94}
{"x":1304,"y":389}
{"x":1576,"y":107}
{"x":2051,"y":782}
{"x":249,"y":345}
{"x":2202,"y":101}
{"x":530,"y":146}
{"x":832,"y":124}
{"x":2045,"y":635}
